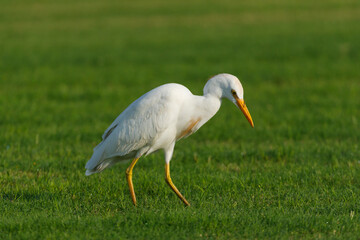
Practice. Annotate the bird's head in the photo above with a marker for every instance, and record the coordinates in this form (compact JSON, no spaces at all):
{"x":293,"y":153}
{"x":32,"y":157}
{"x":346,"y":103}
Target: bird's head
{"x":228,"y":86}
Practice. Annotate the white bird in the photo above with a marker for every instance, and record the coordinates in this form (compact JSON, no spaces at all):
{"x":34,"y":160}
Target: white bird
{"x":158,"y":119}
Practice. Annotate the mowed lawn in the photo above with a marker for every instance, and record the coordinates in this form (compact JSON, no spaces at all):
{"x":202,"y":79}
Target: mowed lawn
{"x":68,"y":68}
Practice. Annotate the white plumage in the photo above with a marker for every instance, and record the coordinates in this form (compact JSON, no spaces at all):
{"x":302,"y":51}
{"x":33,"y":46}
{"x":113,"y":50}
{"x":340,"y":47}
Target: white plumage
{"x":158,"y":119}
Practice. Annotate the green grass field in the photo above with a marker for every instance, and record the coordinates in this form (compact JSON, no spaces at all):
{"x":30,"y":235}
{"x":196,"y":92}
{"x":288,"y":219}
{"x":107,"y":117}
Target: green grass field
{"x":67,"y":69}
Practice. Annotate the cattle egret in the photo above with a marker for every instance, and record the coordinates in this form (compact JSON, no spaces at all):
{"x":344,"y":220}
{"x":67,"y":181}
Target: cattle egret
{"x":158,"y":119}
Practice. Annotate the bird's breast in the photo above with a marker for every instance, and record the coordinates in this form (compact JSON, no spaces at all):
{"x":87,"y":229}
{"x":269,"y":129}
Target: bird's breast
{"x":189,"y":128}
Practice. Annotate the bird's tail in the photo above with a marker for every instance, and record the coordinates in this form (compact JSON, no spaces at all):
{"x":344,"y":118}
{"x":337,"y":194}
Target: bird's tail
{"x":104,"y":164}
{"x":89,"y":172}
{"x":97,"y":163}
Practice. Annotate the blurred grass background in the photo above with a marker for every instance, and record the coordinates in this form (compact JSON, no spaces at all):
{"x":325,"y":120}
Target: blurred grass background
{"x":68,"y":68}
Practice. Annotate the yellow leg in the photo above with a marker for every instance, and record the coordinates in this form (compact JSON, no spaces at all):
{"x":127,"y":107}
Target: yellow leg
{"x":129,"y":179}
{"x":168,"y":180}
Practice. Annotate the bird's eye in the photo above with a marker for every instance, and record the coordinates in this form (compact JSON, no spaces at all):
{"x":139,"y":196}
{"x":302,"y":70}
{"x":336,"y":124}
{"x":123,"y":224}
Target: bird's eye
{"x":233,"y":92}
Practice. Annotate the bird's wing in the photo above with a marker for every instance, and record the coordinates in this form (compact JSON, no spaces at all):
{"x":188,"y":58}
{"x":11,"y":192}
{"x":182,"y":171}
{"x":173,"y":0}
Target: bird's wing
{"x":141,"y":123}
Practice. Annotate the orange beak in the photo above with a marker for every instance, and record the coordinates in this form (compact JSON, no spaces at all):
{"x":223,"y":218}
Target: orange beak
{"x":243,"y":108}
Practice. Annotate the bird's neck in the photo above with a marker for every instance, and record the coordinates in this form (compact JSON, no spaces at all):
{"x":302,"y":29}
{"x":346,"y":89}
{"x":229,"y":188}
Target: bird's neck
{"x":211,"y":104}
